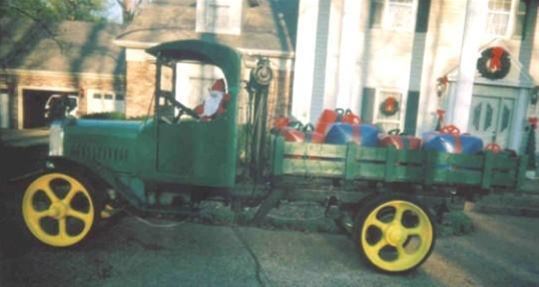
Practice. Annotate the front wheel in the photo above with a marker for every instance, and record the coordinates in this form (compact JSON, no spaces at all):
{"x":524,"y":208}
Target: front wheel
{"x":60,"y":209}
{"x":394,"y":233}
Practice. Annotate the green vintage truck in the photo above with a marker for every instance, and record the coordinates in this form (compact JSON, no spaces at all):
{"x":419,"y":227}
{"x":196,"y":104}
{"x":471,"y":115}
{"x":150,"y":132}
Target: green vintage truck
{"x":174,"y":160}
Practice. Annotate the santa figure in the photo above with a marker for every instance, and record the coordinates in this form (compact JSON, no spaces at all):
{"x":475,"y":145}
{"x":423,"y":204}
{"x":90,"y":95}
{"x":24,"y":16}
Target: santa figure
{"x":213,"y":104}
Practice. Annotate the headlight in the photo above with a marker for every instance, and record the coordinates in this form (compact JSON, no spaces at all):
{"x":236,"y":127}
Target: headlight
{"x":56,"y":139}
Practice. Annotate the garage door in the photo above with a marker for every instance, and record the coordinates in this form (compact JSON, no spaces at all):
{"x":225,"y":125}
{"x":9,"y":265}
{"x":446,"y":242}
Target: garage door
{"x":34,"y":107}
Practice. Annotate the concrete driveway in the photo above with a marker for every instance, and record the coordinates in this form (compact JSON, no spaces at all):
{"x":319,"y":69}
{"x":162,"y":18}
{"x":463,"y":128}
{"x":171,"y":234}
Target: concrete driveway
{"x":24,"y":138}
{"x":501,"y":252}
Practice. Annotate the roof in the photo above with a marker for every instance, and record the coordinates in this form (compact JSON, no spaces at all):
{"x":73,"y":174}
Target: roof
{"x":269,"y":26}
{"x":69,"y":46}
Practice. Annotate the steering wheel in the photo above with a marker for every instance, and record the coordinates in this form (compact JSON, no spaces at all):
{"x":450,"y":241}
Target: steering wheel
{"x":182,"y":109}
{"x":450,"y":129}
{"x":394,"y":132}
{"x":296,"y":125}
{"x":494,"y":148}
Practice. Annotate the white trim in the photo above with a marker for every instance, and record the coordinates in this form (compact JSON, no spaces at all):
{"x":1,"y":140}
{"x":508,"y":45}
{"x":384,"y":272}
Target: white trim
{"x":269,"y":53}
{"x":384,"y":25}
{"x":402,"y":106}
{"x":215,"y":10}
{"x":20,"y":100}
{"x":138,"y":55}
{"x":134,"y":44}
{"x":25,"y":72}
{"x":243,"y":51}
{"x":525,"y":79}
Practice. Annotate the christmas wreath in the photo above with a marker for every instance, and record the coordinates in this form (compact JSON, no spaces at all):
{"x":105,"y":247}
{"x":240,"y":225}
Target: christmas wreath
{"x":494,"y":63}
{"x":389,"y":106}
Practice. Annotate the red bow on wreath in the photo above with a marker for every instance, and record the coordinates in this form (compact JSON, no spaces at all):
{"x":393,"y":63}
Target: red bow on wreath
{"x":496,"y":58}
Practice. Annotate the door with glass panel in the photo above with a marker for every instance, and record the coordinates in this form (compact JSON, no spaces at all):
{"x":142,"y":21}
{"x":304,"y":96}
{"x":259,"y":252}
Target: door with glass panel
{"x":490,"y":119}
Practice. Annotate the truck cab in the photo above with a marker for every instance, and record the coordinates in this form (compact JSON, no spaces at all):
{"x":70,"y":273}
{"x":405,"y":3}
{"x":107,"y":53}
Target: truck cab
{"x":173,"y":149}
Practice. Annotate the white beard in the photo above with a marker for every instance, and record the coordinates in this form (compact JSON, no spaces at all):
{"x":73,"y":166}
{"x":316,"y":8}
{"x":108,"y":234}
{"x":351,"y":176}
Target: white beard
{"x":212,"y":103}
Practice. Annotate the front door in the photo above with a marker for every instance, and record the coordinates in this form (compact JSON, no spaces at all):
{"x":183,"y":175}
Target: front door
{"x":490,"y":119}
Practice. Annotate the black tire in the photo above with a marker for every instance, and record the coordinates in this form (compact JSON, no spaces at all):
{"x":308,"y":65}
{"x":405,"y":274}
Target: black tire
{"x":374,"y":220}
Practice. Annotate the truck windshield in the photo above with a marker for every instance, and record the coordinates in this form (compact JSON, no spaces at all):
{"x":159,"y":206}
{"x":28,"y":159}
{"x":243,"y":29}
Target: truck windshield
{"x":199,"y":87}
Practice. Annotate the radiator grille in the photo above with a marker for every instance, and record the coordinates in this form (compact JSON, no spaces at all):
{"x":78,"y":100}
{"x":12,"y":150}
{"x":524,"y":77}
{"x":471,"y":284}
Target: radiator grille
{"x":99,"y":152}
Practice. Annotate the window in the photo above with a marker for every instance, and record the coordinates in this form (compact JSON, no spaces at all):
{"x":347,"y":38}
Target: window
{"x":392,"y":14}
{"x":219,"y":16}
{"x":499,"y":17}
{"x":104,"y":101}
{"x":388,"y":122}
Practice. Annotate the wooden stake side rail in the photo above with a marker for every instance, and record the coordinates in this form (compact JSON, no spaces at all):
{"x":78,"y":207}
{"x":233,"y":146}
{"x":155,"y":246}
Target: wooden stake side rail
{"x":352,"y":162}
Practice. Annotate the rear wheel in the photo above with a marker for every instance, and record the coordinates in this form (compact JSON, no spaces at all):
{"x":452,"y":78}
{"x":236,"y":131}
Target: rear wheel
{"x":60,"y":209}
{"x":394,"y":233}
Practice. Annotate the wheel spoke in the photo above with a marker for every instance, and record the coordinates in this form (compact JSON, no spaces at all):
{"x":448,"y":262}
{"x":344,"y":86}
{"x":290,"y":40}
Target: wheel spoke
{"x":399,"y":211}
{"x":50,"y":193}
{"x":43,"y":213}
{"x":381,"y":225}
{"x":70,"y":195}
{"x":85,"y":217}
{"x":413,"y":231}
{"x":400,"y":250}
{"x":62,"y":228}
{"x":378,"y":246}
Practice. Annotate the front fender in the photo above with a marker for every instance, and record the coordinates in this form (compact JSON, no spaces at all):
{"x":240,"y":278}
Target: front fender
{"x":100,"y":176}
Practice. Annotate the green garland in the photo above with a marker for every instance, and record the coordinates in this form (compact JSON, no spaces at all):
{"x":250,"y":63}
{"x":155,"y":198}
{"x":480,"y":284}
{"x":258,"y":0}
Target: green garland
{"x":483,"y":64}
{"x":385,"y":106}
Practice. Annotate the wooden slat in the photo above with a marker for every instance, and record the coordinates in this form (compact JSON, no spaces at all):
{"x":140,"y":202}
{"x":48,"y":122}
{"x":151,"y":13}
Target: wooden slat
{"x":371,"y":171}
{"x":504,"y":162}
{"x":409,"y":174}
{"x":487,"y":170}
{"x":521,"y":173}
{"x":461,"y":160}
{"x":504,"y":178}
{"x":447,"y":176}
{"x":390,"y":163}
{"x":410,"y":156}
{"x":310,"y":167}
{"x":315,"y":150}
{"x":278,"y":156}
{"x":371,"y":154}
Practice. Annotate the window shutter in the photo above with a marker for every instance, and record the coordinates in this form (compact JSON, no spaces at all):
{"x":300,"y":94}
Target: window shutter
{"x":422,"y":18}
{"x":411,"y":112}
{"x":367,"y":105}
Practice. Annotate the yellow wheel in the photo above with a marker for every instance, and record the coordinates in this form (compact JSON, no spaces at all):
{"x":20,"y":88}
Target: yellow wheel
{"x":59,"y":209}
{"x":394,"y":233}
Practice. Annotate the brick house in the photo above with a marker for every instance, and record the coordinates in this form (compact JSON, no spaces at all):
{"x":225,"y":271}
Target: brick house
{"x":255,"y":28}
{"x":423,"y":53}
{"x":71,"y":58}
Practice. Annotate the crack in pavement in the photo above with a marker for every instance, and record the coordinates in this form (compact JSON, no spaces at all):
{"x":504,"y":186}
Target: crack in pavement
{"x":258,"y":267}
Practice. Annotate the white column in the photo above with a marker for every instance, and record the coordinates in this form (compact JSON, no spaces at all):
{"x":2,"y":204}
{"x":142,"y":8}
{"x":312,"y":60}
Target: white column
{"x":334,"y":54}
{"x":304,"y":61}
{"x":461,"y":100}
{"x":350,"y":45}
{"x":519,"y":119}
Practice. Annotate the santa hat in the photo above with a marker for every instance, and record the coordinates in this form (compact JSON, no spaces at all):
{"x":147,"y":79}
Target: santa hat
{"x":218,"y":85}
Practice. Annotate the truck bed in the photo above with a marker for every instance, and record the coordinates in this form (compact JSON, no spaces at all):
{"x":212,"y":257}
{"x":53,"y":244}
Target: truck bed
{"x":352,"y":162}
